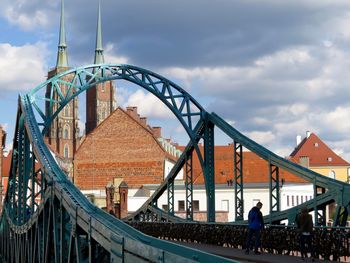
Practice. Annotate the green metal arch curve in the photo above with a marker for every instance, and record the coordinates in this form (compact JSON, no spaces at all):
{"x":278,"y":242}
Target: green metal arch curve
{"x":187,"y":110}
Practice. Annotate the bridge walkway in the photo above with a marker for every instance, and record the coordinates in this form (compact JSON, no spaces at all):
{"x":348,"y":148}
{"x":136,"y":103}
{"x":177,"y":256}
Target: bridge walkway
{"x":239,"y":255}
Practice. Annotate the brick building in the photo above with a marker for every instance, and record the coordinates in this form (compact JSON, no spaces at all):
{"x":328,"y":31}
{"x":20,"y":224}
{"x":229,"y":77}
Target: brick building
{"x":255,"y":180}
{"x":123,"y":146}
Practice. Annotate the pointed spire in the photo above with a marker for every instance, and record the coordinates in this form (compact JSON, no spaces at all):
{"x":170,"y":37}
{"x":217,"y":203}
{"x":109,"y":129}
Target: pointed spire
{"x":62,"y":57}
{"x":99,"y":58}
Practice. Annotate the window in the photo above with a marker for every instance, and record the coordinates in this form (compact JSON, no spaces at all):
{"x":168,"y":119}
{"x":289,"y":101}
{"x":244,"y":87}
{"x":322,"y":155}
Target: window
{"x":181,"y":204}
{"x":224,"y":205}
{"x":103,"y":88}
{"x":165,"y":207}
{"x":66,"y":151}
{"x":316,"y":144}
{"x":329,"y":159}
{"x":332,"y":174}
{"x":195,"y":205}
{"x":66,"y":110}
{"x":302,"y":199}
{"x":66,"y":133}
{"x":288,"y":200}
{"x":297,"y":199}
{"x":292,"y":200}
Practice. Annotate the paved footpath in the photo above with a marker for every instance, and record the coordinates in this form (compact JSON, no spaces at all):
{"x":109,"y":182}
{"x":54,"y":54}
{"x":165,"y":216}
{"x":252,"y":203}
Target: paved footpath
{"x":240,"y":256}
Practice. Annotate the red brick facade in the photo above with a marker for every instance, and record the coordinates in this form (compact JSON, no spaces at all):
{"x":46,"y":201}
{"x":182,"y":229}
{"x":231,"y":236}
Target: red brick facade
{"x":99,"y":104}
{"x":120,"y":147}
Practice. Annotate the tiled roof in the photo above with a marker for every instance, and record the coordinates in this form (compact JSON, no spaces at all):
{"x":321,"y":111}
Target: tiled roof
{"x":318,"y":153}
{"x":255,"y":169}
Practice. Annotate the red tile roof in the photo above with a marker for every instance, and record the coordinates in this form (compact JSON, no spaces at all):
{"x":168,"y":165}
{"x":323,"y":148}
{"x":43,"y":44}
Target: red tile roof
{"x":318,"y":153}
{"x":255,"y":169}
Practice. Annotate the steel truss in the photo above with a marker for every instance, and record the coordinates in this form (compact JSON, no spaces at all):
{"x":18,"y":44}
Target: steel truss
{"x":47,"y":219}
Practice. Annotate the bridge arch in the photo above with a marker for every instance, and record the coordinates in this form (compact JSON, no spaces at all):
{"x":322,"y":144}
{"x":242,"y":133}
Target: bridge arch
{"x":186,"y":109}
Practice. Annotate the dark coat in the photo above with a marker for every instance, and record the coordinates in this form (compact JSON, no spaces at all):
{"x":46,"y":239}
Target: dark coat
{"x":255,"y":219}
{"x":304,"y":222}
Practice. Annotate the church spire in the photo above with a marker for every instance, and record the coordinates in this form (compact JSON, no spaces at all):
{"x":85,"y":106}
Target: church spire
{"x":62,"y":57}
{"x":99,"y":58}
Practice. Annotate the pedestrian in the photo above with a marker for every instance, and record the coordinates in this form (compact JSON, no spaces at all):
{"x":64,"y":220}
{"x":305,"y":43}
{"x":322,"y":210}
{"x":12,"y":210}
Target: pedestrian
{"x":305,"y":228}
{"x":255,"y":224}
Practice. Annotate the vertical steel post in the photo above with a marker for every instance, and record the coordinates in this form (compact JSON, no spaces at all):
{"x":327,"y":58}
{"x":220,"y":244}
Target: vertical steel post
{"x":171,"y":197}
{"x":274,"y":188}
{"x":209,"y":169}
{"x":238,"y":171}
{"x":189,"y":187}
{"x":319,"y":210}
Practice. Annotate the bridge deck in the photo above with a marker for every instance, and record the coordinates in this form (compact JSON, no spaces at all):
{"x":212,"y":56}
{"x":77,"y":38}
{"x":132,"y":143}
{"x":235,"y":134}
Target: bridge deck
{"x":239,"y":255}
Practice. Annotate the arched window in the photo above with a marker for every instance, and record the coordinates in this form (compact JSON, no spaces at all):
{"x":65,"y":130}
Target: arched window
{"x":66,"y":110}
{"x":332,"y":174}
{"x":66,"y":132}
{"x":66,"y":151}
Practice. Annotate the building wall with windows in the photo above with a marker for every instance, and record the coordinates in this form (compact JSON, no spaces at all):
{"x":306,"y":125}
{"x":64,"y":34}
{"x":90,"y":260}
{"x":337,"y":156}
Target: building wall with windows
{"x":291,"y":195}
{"x":314,"y":154}
{"x":340,"y":173}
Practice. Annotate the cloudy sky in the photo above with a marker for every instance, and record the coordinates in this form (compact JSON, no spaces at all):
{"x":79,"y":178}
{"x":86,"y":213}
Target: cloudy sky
{"x":274,"y":69}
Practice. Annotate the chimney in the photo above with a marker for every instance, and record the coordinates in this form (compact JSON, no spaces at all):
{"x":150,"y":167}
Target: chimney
{"x":157,"y":132}
{"x":143,"y":121}
{"x":308,"y":133}
{"x":298,"y":139}
{"x":123,"y":191}
{"x":110,"y":190}
{"x":132,"y":111}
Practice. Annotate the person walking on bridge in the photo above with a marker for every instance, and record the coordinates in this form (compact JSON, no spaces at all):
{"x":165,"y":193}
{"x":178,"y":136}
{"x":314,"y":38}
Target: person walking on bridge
{"x":305,"y":227}
{"x":255,"y":224}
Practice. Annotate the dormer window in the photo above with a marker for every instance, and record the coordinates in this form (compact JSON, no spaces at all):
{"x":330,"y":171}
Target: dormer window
{"x":316,"y":144}
{"x":329,"y":159}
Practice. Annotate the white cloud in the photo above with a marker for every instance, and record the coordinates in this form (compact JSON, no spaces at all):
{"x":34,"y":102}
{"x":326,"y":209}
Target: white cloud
{"x":148,"y":105}
{"x":336,"y":120}
{"x":261,"y":137}
{"x":29,"y":15}
{"x":22,"y":67}
{"x":111,"y":57}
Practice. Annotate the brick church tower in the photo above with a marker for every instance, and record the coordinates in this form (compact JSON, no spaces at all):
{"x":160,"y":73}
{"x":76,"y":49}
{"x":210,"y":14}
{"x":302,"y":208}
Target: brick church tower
{"x":100,"y":99}
{"x":63,"y":134}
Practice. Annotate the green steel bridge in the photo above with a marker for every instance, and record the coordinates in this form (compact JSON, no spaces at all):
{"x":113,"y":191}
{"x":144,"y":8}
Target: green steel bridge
{"x":45,"y":218}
